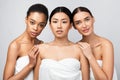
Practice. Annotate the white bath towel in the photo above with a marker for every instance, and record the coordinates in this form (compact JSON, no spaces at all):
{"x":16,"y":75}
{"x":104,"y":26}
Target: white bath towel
{"x":65,"y":69}
{"x":20,"y":64}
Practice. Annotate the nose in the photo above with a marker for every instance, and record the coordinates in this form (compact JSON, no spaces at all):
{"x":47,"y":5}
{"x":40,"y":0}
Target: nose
{"x":35,"y":27}
{"x":84,"y":24}
{"x":59,"y":25}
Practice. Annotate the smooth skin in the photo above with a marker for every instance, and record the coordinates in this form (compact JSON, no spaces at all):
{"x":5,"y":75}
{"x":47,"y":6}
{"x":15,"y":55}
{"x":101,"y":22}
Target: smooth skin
{"x":25,"y":45}
{"x":94,"y":47}
{"x":61,"y":48}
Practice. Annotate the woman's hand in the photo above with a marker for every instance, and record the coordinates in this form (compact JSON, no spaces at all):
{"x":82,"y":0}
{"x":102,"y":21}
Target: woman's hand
{"x":33,"y":55}
{"x":86,"y":49}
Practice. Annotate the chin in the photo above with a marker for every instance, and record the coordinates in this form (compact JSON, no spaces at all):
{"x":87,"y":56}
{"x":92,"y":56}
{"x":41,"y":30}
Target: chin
{"x":59,"y":36}
{"x":86,"y":34}
{"x":33,"y":36}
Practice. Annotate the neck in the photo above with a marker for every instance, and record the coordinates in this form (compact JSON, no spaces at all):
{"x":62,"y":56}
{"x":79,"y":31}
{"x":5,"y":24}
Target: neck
{"x":89,"y":38}
{"x":27,"y":39}
{"x":93,"y":40}
{"x":61,"y":42}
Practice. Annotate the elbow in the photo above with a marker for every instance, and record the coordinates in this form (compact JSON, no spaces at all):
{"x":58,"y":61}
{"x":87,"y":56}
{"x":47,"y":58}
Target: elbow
{"x":4,"y":78}
{"x":7,"y":78}
{"x":102,"y":78}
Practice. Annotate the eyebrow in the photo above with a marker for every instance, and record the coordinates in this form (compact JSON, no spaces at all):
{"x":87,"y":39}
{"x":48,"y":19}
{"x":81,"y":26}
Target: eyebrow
{"x":77,"y":21}
{"x":84,"y":18}
{"x":32,"y":19}
{"x":35,"y":20}
{"x":87,"y":17}
{"x":57,"y":19}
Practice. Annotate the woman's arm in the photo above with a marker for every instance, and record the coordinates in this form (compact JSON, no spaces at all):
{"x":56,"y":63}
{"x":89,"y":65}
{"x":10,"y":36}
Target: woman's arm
{"x":106,"y":71}
{"x":12,"y":56}
{"x":84,"y":68}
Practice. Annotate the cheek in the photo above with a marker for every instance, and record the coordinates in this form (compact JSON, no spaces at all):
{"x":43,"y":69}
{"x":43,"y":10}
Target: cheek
{"x":79,"y":28}
{"x":92,"y":28}
{"x":67,"y":26}
{"x":28,"y":24}
{"x":53,"y":27}
{"x":28,"y":27}
{"x":40,"y":29}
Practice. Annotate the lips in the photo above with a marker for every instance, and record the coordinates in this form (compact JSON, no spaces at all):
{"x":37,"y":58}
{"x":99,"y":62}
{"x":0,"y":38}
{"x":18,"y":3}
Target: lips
{"x":34,"y":33}
{"x":59,"y":31}
{"x":85,"y":30}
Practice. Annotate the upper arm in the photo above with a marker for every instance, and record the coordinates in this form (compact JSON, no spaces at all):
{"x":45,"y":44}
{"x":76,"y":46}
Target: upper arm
{"x":10,"y":61}
{"x":108,"y":59}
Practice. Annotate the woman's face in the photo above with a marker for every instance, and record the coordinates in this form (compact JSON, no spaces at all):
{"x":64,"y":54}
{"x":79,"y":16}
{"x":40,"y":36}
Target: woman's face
{"x":60,"y":24}
{"x":83,"y":22}
{"x":35,"y":23}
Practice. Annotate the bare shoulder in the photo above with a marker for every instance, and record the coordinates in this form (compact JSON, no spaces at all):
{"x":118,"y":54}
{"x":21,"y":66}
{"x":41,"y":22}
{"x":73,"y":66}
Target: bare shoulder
{"x":106,"y":43}
{"x":13,"y":49}
{"x":107,"y":47}
{"x":43,"y":46}
{"x":78,"y":51}
{"x":14,"y":45}
{"x":77,"y":48}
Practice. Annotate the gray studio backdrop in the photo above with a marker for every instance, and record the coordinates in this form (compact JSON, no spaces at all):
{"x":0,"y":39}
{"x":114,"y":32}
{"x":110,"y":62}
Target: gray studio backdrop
{"x":13,"y":12}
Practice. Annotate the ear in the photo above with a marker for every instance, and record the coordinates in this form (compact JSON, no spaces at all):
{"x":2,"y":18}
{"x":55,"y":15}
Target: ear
{"x":26,"y":20}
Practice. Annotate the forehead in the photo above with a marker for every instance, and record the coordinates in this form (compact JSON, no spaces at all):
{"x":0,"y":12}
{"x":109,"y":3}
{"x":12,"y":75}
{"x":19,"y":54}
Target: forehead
{"x":60,"y":15}
{"x":37,"y":16}
{"x":81,"y":15}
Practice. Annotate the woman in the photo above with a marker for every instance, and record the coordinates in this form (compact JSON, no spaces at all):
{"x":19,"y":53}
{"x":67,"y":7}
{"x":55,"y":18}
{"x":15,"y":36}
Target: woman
{"x":21,"y":57}
{"x":98,"y":50}
{"x":61,"y":59}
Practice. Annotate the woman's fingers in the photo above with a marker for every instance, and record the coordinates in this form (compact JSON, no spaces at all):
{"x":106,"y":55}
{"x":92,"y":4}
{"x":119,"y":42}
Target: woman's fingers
{"x":34,"y":51}
{"x":83,"y":45}
{"x":33,"y":55}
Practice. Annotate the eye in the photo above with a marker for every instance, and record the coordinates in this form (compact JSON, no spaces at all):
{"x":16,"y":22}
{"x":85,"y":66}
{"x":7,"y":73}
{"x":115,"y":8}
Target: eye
{"x":64,"y":21}
{"x":77,"y":23}
{"x":54,"y":21}
{"x":87,"y":19}
{"x":42,"y":24}
{"x":32,"y":22}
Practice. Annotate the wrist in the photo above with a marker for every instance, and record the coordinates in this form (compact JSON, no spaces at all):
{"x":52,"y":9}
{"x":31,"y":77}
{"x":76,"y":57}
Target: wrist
{"x":90,"y":57}
{"x":30,"y":66}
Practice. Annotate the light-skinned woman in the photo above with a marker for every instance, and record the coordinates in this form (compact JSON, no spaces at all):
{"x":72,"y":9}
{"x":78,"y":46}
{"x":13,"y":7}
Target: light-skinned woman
{"x":61,"y":59}
{"x":98,"y":50}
